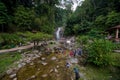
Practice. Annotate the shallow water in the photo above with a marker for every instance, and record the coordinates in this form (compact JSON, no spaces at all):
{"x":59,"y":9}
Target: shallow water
{"x":38,"y":70}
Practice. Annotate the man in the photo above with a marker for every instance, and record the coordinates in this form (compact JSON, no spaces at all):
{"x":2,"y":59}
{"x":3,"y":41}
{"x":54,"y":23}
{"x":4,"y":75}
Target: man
{"x":77,"y":75}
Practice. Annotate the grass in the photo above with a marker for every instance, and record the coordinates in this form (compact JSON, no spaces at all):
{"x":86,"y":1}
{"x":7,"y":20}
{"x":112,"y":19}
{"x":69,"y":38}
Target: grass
{"x":7,"y":59}
{"x":116,"y":59}
{"x":92,"y":72}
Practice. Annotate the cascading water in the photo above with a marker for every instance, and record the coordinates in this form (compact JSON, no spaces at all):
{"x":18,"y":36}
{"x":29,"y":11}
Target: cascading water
{"x":58,"y":33}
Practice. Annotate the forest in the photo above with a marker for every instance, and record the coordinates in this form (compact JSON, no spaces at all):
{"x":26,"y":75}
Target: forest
{"x":28,"y":15}
{"x":93,"y":17}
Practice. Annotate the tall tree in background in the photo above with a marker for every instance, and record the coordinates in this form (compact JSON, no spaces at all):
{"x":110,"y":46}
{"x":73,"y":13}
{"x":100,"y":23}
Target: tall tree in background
{"x":4,"y":18}
{"x":94,"y":14}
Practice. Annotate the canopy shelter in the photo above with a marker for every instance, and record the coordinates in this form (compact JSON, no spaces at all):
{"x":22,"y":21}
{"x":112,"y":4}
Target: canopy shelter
{"x":117,"y":32}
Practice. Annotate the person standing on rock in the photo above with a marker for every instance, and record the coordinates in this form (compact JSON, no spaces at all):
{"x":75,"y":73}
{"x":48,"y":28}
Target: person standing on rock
{"x":74,"y":53}
{"x":71,"y":53}
{"x":67,"y":64}
{"x":77,"y":75}
{"x":79,"y":51}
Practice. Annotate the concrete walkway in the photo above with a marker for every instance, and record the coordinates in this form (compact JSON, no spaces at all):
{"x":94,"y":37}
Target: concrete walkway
{"x":17,"y":48}
{"x":118,"y":51}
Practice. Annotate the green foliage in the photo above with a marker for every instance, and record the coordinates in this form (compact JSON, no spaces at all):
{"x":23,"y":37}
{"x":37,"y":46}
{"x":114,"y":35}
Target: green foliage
{"x":113,"y":19}
{"x":99,"y":52}
{"x":83,"y":40}
{"x":3,"y":13}
{"x":100,"y":22}
{"x":6,"y":60}
{"x":24,"y":18}
{"x":40,"y":37}
{"x":96,"y":33}
{"x":10,"y":40}
{"x":117,"y":46}
{"x":93,"y":14}
{"x":61,"y":16}
{"x":116,"y":59}
{"x":1,"y":40}
{"x":28,"y":15}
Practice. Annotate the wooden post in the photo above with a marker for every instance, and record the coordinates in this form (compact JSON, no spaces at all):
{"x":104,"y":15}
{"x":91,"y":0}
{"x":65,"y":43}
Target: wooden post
{"x":117,"y":33}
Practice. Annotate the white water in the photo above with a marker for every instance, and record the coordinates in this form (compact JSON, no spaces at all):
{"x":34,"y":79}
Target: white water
{"x":58,"y":33}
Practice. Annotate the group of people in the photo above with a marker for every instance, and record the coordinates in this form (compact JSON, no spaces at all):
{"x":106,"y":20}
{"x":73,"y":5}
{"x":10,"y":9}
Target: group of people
{"x":76,"y":52}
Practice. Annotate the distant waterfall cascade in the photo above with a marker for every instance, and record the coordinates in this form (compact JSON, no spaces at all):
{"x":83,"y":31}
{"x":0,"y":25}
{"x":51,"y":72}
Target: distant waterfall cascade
{"x":58,"y":33}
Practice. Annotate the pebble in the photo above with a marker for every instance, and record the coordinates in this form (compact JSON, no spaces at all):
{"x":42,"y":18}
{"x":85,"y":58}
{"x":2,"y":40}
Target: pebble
{"x":38,"y":69}
{"x":12,"y":75}
{"x":58,"y":66}
{"x":53,"y":58}
{"x":23,"y":64}
{"x":35,"y":51}
{"x":44,"y":75}
{"x":15,"y":79}
{"x":44,"y":63}
{"x":32,"y":77}
{"x":51,"y":70}
{"x":20,"y":65}
{"x":43,"y":58}
{"x":9,"y":71}
{"x":31,"y":63}
{"x":56,"y":70}
{"x":28,"y":61}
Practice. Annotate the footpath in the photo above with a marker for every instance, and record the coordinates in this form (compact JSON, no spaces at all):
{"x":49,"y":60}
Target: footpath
{"x":17,"y":48}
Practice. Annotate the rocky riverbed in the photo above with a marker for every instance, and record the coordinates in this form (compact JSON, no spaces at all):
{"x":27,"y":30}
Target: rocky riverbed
{"x":38,"y":66}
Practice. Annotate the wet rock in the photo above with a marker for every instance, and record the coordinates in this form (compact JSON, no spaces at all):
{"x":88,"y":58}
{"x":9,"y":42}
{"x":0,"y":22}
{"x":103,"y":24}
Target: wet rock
{"x":51,"y":70}
{"x":58,"y":66}
{"x":74,"y":60}
{"x":39,"y":54}
{"x":21,"y":60}
{"x":56,"y":70}
{"x":20,"y":65}
{"x":43,"y":58}
{"x":9,"y":71}
{"x":39,"y":61}
{"x":12,"y":75}
{"x":53,"y":58}
{"x":19,"y":51}
{"x":44,"y":75}
{"x":15,"y":79}
{"x":38,"y":69}
{"x":28,"y":61}
{"x":32,"y":77}
{"x":58,"y":75}
{"x":44,"y":63}
{"x":31,"y":63}
{"x":35,"y":51}
{"x":57,"y":60}
{"x":23,"y":64}
{"x":17,"y":62}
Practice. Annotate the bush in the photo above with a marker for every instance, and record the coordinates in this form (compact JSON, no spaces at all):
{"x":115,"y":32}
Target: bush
{"x":40,"y":37}
{"x":99,"y":52}
{"x":83,"y":39}
{"x":1,"y":40}
{"x":117,"y":46}
{"x":10,"y":40}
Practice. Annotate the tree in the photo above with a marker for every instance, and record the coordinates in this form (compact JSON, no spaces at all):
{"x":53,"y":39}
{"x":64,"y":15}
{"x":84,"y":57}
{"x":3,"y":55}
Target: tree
{"x":24,"y":18}
{"x":3,"y":16}
{"x":113,"y":19}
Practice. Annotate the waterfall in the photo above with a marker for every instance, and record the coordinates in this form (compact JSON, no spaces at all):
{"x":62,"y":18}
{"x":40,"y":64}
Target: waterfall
{"x":58,"y":33}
